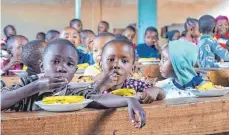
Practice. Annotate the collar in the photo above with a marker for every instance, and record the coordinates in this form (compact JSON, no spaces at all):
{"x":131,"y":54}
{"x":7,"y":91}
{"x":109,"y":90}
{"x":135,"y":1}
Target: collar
{"x":206,"y":36}
{"x":193,"y":83}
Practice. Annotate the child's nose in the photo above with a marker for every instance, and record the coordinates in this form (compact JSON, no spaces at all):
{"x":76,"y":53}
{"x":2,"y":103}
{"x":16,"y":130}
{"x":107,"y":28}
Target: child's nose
{"x":61,"y":69}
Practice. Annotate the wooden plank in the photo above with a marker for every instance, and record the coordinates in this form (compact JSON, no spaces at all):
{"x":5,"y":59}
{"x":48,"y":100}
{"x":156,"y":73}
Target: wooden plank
{"x":10,"y":80}
{"x":174,"y":116}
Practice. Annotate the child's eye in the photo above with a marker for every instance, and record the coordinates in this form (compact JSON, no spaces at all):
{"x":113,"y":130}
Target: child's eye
{"x":71,"y":64}
{"x":66,"y":36}
{"x":55,"y":61}
{"x":110,"y":60}
{"x":95,"y":50}
{"x":124,"y":61}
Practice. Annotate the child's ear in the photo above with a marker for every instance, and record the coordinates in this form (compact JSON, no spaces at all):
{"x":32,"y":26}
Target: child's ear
{"x":41,"y":66}
{"x":133,"y":69}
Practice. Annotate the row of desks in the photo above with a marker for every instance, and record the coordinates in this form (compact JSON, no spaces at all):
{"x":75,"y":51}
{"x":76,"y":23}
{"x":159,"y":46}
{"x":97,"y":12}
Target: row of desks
{"x":174,"y":116}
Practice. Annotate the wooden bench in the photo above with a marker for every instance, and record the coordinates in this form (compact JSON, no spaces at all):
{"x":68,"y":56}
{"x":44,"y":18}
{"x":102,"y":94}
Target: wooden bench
{"x":174,"y":116}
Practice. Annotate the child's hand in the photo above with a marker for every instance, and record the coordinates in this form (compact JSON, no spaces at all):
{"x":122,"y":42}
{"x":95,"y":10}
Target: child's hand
{"x":152,"y":94}
{"x":14,"y":61}
{"x":134,"y":107}
{"x":150,"y":81}
{"x":50,"y":83}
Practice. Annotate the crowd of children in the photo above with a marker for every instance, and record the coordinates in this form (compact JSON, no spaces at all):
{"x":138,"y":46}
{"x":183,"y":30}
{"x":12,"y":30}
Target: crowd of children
{"x":51,"y":62}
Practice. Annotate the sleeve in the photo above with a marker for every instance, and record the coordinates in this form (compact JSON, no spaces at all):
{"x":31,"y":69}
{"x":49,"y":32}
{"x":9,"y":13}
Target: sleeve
{"x":220,"y":51}
{"x":141,"y":85}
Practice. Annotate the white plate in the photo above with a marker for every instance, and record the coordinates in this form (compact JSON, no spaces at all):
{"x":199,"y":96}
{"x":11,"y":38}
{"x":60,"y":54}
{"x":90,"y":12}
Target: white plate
{"x":20,"y":73}
{"x":80,"y":71}
{"x":223,"y":65}
{"x":79,"y":85}
{"x":210,"y":93}
{"x":149,"y":62}
{"x":63,"y":107}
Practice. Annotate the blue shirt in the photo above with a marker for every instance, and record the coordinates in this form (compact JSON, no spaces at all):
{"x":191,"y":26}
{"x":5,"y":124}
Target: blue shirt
{"x":209,"y":50}
{"x":145,"y":51}
{"x":85,"y":57}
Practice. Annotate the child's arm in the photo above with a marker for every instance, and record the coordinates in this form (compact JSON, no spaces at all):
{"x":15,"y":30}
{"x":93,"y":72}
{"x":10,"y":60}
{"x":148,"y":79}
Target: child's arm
{"x":13,"y":61}
{"x":10,"y":96}
{"x":151,"y":94}
{"x":220,"y":51}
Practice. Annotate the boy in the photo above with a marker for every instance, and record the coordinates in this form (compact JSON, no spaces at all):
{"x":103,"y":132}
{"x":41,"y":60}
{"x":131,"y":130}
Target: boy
{"x":209,"y":49}
{"x":76,"y":24}
{"x":103,"y":27}
{"x":98,"y":44}
{"x":117,"y":64}
{"x":40,"y":36}
{"x":150,"y":47}
{"x":32,"y":56}
{"x":51,"y":35}
{"x":14,"y":48}
{"x":129,"y":32}
{"x":58,"y":65}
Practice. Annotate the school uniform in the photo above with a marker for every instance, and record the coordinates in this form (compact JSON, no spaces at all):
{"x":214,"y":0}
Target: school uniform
{"x":145,"y":51}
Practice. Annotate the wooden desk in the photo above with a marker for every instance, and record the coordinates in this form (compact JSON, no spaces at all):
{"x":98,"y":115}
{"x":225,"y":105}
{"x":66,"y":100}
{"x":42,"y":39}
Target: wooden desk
{"x":174,"y":116}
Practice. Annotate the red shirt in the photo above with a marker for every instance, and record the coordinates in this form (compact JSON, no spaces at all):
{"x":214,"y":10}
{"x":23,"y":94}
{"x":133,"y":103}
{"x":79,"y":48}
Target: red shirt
{"x":16,"y":67}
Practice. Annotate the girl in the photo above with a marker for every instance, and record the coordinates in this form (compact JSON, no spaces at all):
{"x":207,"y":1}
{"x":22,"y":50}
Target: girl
{"x":173,"y":35}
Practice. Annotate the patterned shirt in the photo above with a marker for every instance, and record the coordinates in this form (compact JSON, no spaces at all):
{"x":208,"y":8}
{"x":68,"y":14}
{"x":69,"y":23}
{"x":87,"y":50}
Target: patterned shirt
{"x":27,"y":104}
{"x":209,"y":50}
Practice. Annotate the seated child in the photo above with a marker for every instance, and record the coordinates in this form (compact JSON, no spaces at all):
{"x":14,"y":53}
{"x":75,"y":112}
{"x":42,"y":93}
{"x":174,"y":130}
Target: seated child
{"x":9,"y":31}
{"x":76,"y":24}
{"x":209,"y":48}
{"x":86,"y":38}
{"x":130,"y":33}
{"x":32,"y":56}
{"x":117,"y":64}
{"x":191,"y":30}
{"x":51,"y":35}
{"x":14,"y":48}
{"x":178,"y":66}
{"x":98,"y":44}
{"x":72,"y":35}
{"x":222,"y":33}
{"x":150,"y":48}
{"x":103,"y":27}
{"x":40,"y":36}
{"x":173,"y":35}
{"x":58,"y":65}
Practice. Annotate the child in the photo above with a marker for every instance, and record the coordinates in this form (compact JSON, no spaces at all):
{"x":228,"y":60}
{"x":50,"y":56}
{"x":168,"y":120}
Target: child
{"x":178,"y":66}
{"x":40,"y":36}
{"x":117,"y":64}
{"x":58,"y":65}
{"x":31,"y":56}
{"x":222,"y":33}
{"x":14,"y":48}
{"x":191,"y":30}
{"x":98,"y":44}
{"x":103,"y":27}
{"x":150,"y":47}
{"x":76,"y":24}
{"x":9,"y":31}
{"x":51,"y":35}
{"x":130,"y":33}
{"x":72,"y":35}
{"x":173,"y":35}
{"x":209,"y":49}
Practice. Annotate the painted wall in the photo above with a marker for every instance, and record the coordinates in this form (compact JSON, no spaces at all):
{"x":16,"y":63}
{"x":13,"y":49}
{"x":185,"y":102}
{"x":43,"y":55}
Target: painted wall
{"x":32,"y":16}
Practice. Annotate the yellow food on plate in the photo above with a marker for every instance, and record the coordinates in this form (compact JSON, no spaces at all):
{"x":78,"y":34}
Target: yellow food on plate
{"x":148,"y":59}
{"x":83,"y":66}
{"x":206,"y":86}
{"x":124,"y":92}
{"x":84,"y":79}
{"x":63,"y":99}
{"x":25,"y":68}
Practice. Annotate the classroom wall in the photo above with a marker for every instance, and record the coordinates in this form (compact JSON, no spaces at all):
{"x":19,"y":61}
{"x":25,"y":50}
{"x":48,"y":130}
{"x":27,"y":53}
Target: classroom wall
{"x":32,"y":16}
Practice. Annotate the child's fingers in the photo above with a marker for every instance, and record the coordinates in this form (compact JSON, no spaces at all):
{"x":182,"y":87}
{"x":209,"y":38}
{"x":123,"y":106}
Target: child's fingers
{"x":131,"y":114}
{"x":142,"y":119}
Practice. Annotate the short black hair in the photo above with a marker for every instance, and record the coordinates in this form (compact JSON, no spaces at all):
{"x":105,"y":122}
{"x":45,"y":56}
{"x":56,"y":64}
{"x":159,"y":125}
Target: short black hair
{"x":51,"y":34}
{"x":59,"y":41}
{"x":32,"y":53}
{"x":207,"y":24}
{"x":119,"y":41}
{"x":42,"y":34}
{"x":130,"y":28}
{"x":12,"y":39}
{"x":106,"y":23}
{"x":73,"y":21}
{"x":190,"y":22}
{"x":122,"y":37}
{"x":85,"y":32}
{"x":105,"y":34}
{"x":6,"y":29}
{"x":151,"y":29}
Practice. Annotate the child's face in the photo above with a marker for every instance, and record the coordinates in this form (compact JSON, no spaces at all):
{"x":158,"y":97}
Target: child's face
{"x":88,"y":41}
{"x":72,"y":35}
{"x":60,"y":61}
{"x":166,"y":68}
{"x":10,"y":32}
{"x":102,"y":28}
{"x":129,"y":34}
{"x":222,"y":26}
{"x":118,"y":57}
{"x":176,"y":36}
{"x":40,"y":37}
{"x":16,"y":49}
{"x":151,"y":38}
{"x":195,"y":31}
{"x":78,"y":26}
{"x":98,"y":45}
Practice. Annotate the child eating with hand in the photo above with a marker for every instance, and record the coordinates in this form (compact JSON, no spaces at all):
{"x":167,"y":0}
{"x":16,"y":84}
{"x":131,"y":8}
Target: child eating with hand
{"x":209,"y":48}
{"x":32,"y":56}
{"x":14,"y":48}
{"x":58,"y":64}
{"x":117,"y":65}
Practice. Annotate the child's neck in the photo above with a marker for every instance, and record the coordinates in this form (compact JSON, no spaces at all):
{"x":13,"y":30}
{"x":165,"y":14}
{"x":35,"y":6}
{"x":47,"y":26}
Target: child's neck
{"x":189,"y":36}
